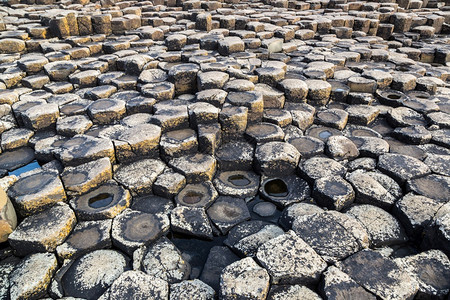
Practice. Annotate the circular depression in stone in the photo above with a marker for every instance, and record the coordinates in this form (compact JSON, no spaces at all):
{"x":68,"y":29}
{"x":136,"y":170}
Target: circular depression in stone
{"x":225,"y":212}
{"x":276,"y":188}
{"x":104,"y":202}
{"x":192,"y":197}
{"x":242,"y":184}
{"x":33,"y":183}
{"x":141,"y":227}
{"x":322,"y":132}
{"x":238,"y":180}
{"x":100,"y":200}
{"x":393,"y":96}
{"x":12,"y":160}
{"x":197,"y":195}
{"x":264,"y":209}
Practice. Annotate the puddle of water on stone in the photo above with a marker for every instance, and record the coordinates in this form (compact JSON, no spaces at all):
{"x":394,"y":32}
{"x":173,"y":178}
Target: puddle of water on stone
{"x":258,"y":202}
{"x":239,"y":180}
{"x":192,"y":197}
{"x":31,"y":166}
{"x":276,"y":188}
{"x":101,"y":200}
{"x":325,"y":134}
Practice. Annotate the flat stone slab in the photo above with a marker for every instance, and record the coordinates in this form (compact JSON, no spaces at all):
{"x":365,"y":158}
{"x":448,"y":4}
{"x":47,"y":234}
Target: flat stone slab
{"x":32,"y":276}
{"x":383,"y":228}
{"x":90,"y":275}
{"x":162,"y":260}
{"x":333,"y":235}
{"x":132,"y":229}
{"x":37,"y":192}
{"x":386,"y":278}
{"x":130,"y":175}
{"x":402,"y":167}
{"x":44,"y":231}
{"x":133,"y":283}
{"x":86,"y":237}
{"x":246,"y":279}
{"x":289,"y":260}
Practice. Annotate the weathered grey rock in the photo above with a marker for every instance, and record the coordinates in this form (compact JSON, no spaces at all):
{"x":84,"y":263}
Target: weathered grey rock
{"x":318,"y":91}
{"x":178,"y":143}
{"x":197,"y":195}
{"x":333,"y":192}
{"x":317,"y":167}
{"x":383,"y":228}
{"x":237,"y":183}
{"x":190,"y":289}
{"x":289,"y":260}
{"x":16,"y":138}
{"x":235,"y":156}
{"x":250,"y":240}
{"x":230,"y":45}
{"x":285,"y":292}
{"x":60,"y":70}
{"x":130,"y":175}
{"x":438,"y":164}
{"x":227,"y":212}
{"x":332,"y":117}
{"x":307,"y":146}
{"x":162,"y":260}
{"x":413,"y":134}
{"x":137,"y":284}
{"x":338,"y":285}
{"x":297,"y":210}
{"x":374,"y":188}
{"x":32,"y":276}
{"x":196,"y":168}
{"x":244,"y":279}
{"x":416,"y":213}
{"x":285,"y":190}
{"x":295,"y":90}
{"x":264,"y":132}
{"x":430,"y":269}
{"x":37,"y":192}
{"x":10,"y":45}
{"x":40,"y":117}
{"x":379,"y":275}
{"x":104,"y":202}
{"x":132,"y":229}
{"x":152,"y":204}
{"x":276,"y":158}
{"x":73,"y":125}
{"x":86,"y":237}
{"x":44,"y":231}
{"x":333,"y":235}
{"x":106,"y":111}
{"x":370,"y":146}
{"x":403,"y":117}
{"x":82,"y":149}
{"x":136,"y":142}
{"x":91,"y":274}
{"x":402,"y":167}
{"x":340,"y":147}
{"x":432,"y":186}
{"x":169,"y":184}
{"x":192,"y":221}
{"x":218,"y":258}
{"x":80,"y":179}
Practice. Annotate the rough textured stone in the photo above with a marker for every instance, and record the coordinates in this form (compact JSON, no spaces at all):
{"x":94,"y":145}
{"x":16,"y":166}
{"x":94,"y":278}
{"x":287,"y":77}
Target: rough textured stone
{"x":244,"y":279}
